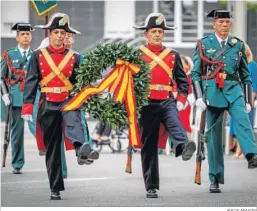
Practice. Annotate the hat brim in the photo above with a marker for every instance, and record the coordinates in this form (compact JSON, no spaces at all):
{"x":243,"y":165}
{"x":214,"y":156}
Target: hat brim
{"x":145,"y":28}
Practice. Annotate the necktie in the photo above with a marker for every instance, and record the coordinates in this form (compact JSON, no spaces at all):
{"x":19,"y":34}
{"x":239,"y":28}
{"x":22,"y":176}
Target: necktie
{"x":222,"y":44}
{"x":24,"y":56}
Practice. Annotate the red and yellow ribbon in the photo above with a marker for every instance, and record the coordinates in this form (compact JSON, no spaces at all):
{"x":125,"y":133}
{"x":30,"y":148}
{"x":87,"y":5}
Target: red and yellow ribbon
{"x":120,"y":82}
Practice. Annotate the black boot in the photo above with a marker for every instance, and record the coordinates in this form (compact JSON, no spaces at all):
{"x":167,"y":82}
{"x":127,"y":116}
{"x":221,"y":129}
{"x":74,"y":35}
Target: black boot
{"x":188,"y":150}
{"x":55,"y":195}
{"x":17,"y":171}
{"x":152,"y":193}
{"x":214,"y":187}
{"x":252,"y":163}
{"x":85,"y":152}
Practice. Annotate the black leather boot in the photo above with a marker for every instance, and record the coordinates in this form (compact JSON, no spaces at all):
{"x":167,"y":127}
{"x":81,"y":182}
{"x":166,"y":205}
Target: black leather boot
{"x":152,"y":193}
{"x":188,"y":150}
{"x":252,"y":163}
{"x":55,"y":195}
{"x":214,"y":187}
{"x":17,"y":171}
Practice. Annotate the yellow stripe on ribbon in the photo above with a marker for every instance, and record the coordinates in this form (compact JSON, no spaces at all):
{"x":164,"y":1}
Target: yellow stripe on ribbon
{"x":120,"y":83}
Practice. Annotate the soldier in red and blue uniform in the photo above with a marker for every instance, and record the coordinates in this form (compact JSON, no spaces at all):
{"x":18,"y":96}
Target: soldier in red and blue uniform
{"x":53,"y":69}
{"x":162,"y":110}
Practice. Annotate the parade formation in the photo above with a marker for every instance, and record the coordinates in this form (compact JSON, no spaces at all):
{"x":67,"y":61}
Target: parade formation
{"x":53,"y":86}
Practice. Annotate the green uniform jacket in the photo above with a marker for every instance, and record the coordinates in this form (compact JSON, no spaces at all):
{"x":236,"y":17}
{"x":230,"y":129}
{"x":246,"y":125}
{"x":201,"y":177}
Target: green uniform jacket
{"x":215,"y":96}
{"x":17,"y":61}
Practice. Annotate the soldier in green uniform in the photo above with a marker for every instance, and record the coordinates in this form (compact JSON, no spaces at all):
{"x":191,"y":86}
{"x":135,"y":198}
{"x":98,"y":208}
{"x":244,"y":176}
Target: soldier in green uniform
{"x":13,"y":71}
{"x":220,"y":68}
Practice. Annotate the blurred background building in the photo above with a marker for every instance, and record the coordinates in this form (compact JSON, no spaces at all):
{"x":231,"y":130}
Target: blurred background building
{"x":112,"y":21}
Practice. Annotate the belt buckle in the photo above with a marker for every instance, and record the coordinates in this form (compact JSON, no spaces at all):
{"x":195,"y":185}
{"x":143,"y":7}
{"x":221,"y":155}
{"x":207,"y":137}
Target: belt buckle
{"x":159,"y":87}
{"x":56,"y":89}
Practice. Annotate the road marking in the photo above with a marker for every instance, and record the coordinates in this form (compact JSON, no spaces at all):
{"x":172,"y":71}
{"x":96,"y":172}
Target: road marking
{"x":66,"y":180}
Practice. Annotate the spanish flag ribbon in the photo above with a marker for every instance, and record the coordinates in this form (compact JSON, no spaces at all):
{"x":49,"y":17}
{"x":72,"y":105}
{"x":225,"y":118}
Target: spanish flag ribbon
{"x":120,"y":82}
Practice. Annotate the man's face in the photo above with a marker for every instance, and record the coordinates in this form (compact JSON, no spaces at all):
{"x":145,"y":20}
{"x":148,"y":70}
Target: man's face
{"x":154,"y":36}
{"x":24,"y":38}
{"x":222,"y":26}
{"x":57,"y":37}
{"x":68,"y":40}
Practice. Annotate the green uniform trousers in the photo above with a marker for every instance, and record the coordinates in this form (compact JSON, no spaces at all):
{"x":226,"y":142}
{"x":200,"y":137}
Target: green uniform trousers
{"x":214,"y":119}
{"x":17,"y":138}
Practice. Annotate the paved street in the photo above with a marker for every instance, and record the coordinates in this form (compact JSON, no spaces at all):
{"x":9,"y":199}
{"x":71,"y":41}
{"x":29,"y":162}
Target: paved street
{"x":106,"y":184}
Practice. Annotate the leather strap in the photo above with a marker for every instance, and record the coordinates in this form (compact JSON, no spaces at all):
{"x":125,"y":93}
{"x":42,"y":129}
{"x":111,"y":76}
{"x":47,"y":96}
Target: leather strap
{"x":158,"y":59}
{"x":56,"y":71}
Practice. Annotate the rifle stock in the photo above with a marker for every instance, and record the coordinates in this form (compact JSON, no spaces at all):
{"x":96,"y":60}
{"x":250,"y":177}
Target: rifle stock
{"x":6,"y":134}
{"x":200,"y":149}
{"x":131,"y":150}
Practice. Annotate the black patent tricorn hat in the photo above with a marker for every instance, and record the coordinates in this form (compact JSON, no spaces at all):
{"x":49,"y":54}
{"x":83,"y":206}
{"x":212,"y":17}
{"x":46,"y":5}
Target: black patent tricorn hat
{"x":22,"y":27}
{"x":215,"y":14}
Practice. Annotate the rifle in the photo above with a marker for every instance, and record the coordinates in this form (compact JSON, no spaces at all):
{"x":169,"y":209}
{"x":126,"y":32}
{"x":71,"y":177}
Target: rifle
{"x":200,"y":149}
{"x":6,"y":133}
{"x":131,"y":150}
{"x":201,"y":138}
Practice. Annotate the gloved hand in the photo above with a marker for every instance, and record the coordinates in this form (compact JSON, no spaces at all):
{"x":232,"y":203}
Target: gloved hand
{"x":6,"y":99}
{"x":180,"y":106}
{"x":248,"y":107}
{"x":200,"y":104}
{"x":27,"y":117}
{"x":191,"y":99}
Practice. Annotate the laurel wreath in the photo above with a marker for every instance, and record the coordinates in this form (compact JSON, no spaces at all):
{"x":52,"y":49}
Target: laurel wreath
{"x":90,"y":72}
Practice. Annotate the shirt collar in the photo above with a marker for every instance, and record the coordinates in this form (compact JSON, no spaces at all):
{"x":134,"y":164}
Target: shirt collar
{"x":22,"y":50}
{"x":220,"y":40}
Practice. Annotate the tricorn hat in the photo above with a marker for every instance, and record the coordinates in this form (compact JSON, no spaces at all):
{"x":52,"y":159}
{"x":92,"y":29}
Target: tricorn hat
{"x":155,"y":20}
{"x":59,"y":21}
{"x":22,"y":27}
{"x":215,"y":14}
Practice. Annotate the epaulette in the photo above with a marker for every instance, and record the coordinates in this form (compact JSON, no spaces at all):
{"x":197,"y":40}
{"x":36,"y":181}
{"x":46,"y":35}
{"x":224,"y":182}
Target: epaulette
{"x":10,"y":49}
{"x":204,"y":37}
{"x":235,"y":40}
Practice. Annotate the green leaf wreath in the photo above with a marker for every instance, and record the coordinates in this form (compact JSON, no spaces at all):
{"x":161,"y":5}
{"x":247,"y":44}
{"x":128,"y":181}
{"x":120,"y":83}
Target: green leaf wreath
{"x":96,"y":62}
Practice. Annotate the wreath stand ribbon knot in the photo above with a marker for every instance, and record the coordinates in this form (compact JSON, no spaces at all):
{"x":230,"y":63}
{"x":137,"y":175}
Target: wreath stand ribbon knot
{"x":120,"y":82}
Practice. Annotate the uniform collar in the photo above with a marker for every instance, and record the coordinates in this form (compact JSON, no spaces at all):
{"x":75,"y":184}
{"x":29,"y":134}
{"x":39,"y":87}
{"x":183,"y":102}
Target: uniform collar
{"x":22,"y":50}
{"x":154,"y":48}
{"x":220,"y":40}
{"x":55,"y":50}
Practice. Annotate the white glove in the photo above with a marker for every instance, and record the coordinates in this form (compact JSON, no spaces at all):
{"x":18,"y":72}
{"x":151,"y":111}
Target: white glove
{"x":180,"y":106}
{"x":27,"y":117}
{"x":191,"y":99}
{"x":6,"y":99}
{"x":255,"y":104}
{"x":248,"y":107}
{"x":200,"y":104}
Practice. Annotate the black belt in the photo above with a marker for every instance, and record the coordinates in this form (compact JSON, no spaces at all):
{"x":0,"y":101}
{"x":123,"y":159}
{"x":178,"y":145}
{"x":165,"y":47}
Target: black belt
{"x":232,"y":77}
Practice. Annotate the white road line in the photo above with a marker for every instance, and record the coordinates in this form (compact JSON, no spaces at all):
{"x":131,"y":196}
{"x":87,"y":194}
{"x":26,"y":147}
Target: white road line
{"x":66,"y":180}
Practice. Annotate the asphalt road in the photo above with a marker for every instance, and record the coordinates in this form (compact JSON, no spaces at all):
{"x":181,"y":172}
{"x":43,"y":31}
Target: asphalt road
{"x":105,"y":183}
